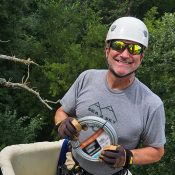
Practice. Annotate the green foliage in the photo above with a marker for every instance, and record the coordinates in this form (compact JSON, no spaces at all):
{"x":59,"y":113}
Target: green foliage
{"x":67,"y":37}
{"x":75,"y":43}
{"x":15,"y":130}
{"x":158,"y":73}
{"x":161,"y":56}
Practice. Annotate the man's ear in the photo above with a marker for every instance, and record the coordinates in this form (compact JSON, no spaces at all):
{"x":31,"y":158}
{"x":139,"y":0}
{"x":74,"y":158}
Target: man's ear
{"x":141,"y":57}
{"x":107,"y":51}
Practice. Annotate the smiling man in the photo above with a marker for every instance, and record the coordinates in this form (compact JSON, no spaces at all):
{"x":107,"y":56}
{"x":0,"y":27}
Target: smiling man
{"x":116,"y":95}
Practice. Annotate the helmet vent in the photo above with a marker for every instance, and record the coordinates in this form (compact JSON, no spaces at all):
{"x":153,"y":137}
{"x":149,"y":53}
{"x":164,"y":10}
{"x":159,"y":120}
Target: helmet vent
{"x":113,"y":28}
{"x":145,"y":33}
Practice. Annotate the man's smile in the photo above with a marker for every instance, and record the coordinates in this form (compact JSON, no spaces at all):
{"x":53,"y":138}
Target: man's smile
{"x":124,"y":61}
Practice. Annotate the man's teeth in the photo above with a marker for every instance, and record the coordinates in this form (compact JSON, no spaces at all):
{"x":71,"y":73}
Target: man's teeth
{"x":123,"y":61}
{"x":127,"y":62}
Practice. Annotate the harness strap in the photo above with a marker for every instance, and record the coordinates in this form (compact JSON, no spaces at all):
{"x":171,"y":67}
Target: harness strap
{"x":77,"y":169}
{"x":62,"y":169}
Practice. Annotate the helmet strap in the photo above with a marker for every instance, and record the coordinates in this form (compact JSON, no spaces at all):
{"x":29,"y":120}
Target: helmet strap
{"x":120,"y":76}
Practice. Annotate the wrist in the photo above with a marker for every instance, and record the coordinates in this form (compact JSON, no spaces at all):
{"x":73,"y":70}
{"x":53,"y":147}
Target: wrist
{"x":129,"y":159}
{"x":57,"y":124}
{"x":59,"y":120}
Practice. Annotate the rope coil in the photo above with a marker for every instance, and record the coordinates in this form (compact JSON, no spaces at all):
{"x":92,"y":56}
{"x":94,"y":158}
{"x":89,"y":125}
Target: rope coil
{"x":93,"y":121}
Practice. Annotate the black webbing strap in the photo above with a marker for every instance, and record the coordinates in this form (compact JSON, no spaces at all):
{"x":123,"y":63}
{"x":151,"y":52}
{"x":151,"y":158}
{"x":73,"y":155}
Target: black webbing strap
{"x":62,"y":169}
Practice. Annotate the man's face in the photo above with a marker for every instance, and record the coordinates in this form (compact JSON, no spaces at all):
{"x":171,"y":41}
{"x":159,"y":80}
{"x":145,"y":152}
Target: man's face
{"x":123,"y":63}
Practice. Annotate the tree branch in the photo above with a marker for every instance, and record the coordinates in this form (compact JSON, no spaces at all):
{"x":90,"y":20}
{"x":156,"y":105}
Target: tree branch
{"x":1,"y":41}
{"x":28,"y":74}
{"x":8,"y":84}
{"x":23,"y":85}
{"x":23,"y":61}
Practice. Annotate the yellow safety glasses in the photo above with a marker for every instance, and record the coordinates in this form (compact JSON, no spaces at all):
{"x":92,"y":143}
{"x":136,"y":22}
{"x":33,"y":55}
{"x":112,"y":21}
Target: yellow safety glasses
{"x":120,"y":46}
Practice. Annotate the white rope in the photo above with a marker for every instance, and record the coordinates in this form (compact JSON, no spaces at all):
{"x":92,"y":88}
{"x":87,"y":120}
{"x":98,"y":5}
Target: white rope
{"x":93,"y":121}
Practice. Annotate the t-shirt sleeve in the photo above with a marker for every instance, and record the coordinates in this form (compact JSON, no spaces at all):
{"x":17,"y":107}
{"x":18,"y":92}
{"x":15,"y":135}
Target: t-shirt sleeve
{"x":68,"y":102}
{"x":154,"y":131}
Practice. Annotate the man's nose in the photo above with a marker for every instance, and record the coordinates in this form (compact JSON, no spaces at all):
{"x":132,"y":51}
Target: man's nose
{"x":125,"y":53}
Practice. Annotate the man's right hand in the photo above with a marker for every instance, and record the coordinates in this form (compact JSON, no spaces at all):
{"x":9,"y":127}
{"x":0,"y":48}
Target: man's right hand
{"x":69,"y":128}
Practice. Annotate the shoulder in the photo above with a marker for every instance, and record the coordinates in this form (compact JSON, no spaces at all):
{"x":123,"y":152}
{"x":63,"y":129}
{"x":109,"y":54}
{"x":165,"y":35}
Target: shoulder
{"x":148,"y":95}
{"x":90,"y":77}
{"x":92,"y":73}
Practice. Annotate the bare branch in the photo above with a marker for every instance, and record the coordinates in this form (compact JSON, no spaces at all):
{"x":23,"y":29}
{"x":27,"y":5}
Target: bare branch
{"x":28,"y":74}
{"x":8,"y":84}
{"x":13,"y":58}
{"x":53,"y":102}
{"x":1,"y":41}
{"x":24,"y":84}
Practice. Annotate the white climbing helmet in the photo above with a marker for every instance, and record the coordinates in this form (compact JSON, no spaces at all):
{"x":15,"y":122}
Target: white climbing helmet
{"x":129,"y":28}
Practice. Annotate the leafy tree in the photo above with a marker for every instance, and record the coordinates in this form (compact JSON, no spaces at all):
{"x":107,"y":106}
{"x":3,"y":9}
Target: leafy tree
{"x":67,"y":37}
{"x":158,"y":73}
{"x":145,"y":5}
{"x":15,"y":130}
{"x":60,"y":37}
{"x":112,"y":9}
{"x":73,"y":44}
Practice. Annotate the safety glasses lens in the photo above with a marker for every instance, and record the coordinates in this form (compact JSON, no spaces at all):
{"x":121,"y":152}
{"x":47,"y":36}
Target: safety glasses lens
{"x":134,"y":49}
{"x":120,"y":46}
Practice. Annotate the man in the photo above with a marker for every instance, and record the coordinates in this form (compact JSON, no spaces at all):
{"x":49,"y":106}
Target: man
{"x":136,"y":113}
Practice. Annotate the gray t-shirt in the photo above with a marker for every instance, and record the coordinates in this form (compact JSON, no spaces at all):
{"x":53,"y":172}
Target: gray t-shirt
{"x":136,"y":113}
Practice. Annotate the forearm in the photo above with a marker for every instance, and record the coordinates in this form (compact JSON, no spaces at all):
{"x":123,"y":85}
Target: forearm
{"x":60,"y":115}
{"x":147,"y":155}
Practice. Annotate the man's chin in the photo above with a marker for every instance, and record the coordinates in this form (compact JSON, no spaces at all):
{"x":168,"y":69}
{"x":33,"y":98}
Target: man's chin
{"x":120,"y":74}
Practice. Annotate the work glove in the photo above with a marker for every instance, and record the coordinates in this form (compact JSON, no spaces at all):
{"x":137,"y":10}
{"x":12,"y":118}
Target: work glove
{"x":69,"y":128}
{"x":116,"y":156}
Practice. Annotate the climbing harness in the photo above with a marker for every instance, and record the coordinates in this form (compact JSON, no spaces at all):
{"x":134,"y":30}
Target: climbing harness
{"x":101,"y":134}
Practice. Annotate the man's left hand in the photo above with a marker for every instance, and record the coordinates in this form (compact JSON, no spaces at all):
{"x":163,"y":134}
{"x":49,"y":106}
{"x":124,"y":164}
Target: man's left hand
{"x":117,"y":156}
